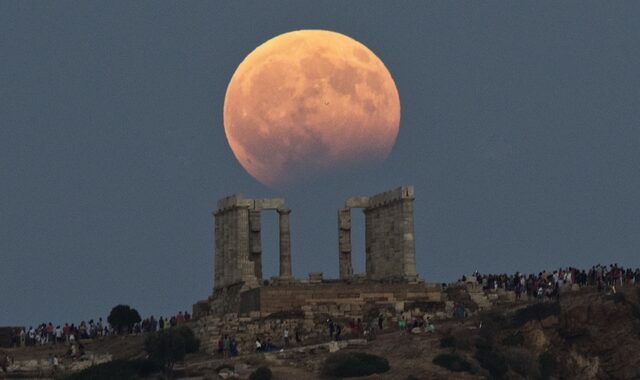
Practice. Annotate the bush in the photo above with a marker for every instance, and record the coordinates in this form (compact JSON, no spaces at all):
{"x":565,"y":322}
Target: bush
{"x":492,"y":361}
{"x":520,"y":361}
{"x":353,"y":364}
{"x":462,"y":339}
{"x":493,"y":322}
{"x":452,"y":362}
{"x":448,"y":341}
{"x":547,"y":365}
{"x":537,"y":311}
{"x":117,"y":369}
{"x":123,"y":317}
{"x":515,"y":339}
{"x":165,"y":347}
{"x":191,"y":343}
{"x":261,"y":373}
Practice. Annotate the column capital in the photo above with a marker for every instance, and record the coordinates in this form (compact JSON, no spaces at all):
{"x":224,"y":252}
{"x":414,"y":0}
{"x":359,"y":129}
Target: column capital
{"x":284,"y":211}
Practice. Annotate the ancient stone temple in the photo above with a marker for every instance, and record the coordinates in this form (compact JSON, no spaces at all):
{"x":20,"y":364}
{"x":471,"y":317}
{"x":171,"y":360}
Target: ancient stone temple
{"x":390,"y":256}
{"x":244,"y":304}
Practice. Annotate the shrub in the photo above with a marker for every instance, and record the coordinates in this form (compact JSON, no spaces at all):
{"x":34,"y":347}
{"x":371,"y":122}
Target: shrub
{"x":514,"y":339}
{"x":191,"y":343}
{"x":117,"y":369}
{"x":537,"y":311}
{"x":547,"y":365}
{"x":353,"y":364}
{"x":493,"y":322}
{"x":492,"y":361}
{"x":165,"y":347}
{"x":452,"y":362}
{"x":447,"y":341}
{"x":459,"y":339}
{"x":123,"y":317}
{"x":520,"y":361}
{"x":261,"y":373}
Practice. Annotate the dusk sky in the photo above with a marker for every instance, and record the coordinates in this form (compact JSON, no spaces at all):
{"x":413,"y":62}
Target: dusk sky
{"x":520,"y":130}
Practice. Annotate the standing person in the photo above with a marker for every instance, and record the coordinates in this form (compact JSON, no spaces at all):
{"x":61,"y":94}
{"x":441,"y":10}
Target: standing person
{"x":297,"y":333}
{"x":221,"y":346}
{"x":338,"y":331}
{"x":180,"y":318}
{"x":227,"y":346}
{"x":50,"y":332}
{"x":258,"y":345}
{"x":331,"y":327}
{"x":58,"y":333}
{"x":233,"y":347}
{"x":380,"y":320}
{"x":161,"y":323}
{"x":402,"y":323}
{"x":286,"y":336}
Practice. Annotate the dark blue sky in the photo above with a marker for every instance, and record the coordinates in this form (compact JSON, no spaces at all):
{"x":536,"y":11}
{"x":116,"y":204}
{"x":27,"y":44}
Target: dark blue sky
{"x":520,"y":131}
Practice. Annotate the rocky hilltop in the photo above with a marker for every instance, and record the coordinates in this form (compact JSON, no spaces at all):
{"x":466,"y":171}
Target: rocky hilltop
{"x":583,"y":334}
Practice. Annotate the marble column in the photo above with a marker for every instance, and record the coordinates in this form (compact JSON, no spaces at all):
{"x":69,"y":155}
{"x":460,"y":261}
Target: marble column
{"x":285,"y":243}
{"x":344,"y":243}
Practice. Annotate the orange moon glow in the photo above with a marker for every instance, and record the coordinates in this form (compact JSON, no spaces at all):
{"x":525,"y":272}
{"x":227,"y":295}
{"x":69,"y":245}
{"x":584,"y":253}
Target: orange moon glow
{"x":309,"y":101}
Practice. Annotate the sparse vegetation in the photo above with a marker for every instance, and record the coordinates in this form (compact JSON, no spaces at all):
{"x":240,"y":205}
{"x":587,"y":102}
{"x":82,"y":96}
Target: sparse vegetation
{"x":452,"y":362}
{"x":514,"y":339}
{"x":354,"y":364}
{"x":168,"y":347}
{"x":261,"y":373}
{"x":520,"y":361}
{"x":492,"y":360}
{"x":547,"y":364}
{"x":462,"y":339}
{"x":537,"y":311}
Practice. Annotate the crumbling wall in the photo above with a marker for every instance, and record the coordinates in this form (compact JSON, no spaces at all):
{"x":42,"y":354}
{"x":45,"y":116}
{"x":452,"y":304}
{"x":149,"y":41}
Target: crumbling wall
{"x":238,"y":242}
{"x":306,"y":307}
{"x":389,"y":237}
{"x":232,"y":259}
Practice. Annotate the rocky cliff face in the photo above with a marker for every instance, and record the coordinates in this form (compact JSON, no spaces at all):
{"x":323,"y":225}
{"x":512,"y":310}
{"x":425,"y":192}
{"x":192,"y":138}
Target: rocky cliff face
{"x":594,"y":336}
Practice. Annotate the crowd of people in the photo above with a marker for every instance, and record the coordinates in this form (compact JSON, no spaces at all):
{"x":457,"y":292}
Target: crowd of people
{"x":70,"y":334}
{"x":550,"y":283}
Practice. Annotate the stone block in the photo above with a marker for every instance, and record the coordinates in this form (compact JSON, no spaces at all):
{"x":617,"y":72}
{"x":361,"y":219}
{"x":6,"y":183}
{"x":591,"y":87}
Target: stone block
{"x":315,"y":277}
{"x":357,"y":202}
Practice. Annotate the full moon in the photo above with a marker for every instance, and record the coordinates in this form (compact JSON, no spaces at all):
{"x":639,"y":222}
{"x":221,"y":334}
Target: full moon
{"x":308,"y":102}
